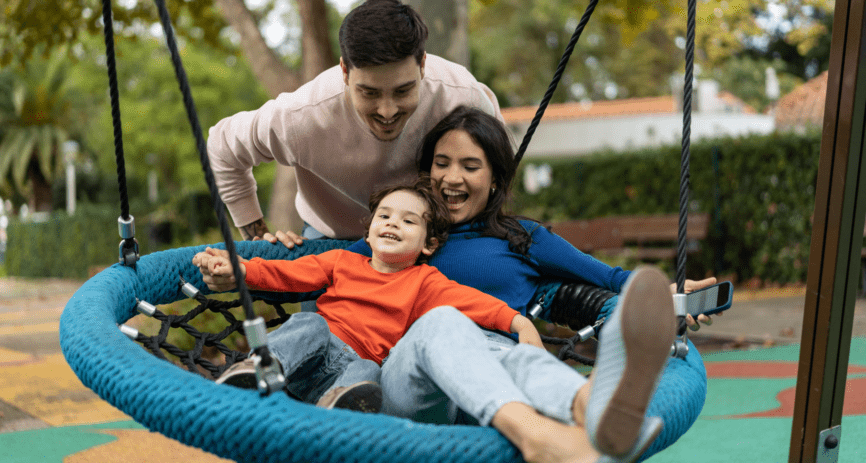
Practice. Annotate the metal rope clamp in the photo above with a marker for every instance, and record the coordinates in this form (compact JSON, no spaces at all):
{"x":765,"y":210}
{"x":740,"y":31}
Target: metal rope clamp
{"x":268,"y":378}
{"x":680,"y":348}
{"x":128,"y":253}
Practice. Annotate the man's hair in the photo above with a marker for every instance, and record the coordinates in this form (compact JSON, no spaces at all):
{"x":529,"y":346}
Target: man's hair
{"x":381,"y":32}
{"x":437,"y":216}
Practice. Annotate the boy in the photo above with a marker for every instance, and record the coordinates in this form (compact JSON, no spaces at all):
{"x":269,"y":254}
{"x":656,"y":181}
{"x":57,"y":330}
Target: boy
{"x":369,"y":302}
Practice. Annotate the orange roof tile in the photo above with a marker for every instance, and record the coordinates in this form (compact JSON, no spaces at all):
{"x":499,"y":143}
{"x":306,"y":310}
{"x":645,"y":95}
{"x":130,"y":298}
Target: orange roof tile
{"x":804,"y":105}
{"x":581,"y":110}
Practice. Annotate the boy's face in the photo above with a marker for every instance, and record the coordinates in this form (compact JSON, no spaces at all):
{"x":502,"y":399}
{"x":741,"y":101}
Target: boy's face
{"x":385,"y":96}
{"x":398,"y":232}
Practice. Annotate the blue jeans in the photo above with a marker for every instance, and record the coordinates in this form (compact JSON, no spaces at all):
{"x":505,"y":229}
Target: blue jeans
{"x":445,"y":364}
{"x":314,"y":360}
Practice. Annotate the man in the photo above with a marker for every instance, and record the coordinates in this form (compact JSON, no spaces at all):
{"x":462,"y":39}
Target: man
{"x":353,"y":129}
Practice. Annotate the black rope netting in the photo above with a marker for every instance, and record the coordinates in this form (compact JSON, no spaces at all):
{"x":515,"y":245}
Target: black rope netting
{"x":193,"y":358}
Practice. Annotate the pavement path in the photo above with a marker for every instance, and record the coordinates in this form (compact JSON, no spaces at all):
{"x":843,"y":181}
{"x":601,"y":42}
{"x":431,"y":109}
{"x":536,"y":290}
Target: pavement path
{"x":42,"y":400}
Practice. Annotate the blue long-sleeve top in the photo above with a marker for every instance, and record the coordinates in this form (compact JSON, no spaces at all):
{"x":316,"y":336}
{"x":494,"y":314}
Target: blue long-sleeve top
{"x":487,"y":264}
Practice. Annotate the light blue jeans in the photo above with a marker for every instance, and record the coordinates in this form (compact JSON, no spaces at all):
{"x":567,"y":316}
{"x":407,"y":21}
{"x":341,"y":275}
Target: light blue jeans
{"x":445,"y":366}
{"x":314,"y":360}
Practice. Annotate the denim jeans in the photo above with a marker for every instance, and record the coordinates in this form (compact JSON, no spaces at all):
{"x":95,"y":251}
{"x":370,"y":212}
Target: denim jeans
{"x":314,"y":360}
{"x":445,"y":364}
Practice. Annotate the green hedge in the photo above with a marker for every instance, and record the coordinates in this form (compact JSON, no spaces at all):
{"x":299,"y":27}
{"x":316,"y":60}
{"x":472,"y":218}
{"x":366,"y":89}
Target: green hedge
{"x":759,"y":191}
{"x":64,"y":246}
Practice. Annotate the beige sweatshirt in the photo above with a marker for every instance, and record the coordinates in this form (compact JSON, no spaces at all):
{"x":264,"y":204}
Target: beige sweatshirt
{"x":339,"y":163}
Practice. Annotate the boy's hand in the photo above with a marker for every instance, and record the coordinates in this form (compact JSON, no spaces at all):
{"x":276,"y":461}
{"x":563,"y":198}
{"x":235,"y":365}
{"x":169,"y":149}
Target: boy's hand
{"x":216,"y":269}
{"x":526,"y":332}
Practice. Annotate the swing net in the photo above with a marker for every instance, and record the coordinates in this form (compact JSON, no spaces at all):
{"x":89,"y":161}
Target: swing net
{"x":246,"y":425}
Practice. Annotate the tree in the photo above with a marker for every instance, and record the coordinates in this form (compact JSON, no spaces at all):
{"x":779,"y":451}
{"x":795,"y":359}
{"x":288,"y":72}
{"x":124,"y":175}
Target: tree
{"x":36,"y":116}
{"x":25,"y":26}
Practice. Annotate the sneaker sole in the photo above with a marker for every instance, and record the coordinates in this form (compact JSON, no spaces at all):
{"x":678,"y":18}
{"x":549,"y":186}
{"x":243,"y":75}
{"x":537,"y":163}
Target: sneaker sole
{"x":648,"y":330}
{"x":365,"y":398}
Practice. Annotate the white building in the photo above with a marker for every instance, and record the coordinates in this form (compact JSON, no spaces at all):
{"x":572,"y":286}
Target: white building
{"x":575,"y":129}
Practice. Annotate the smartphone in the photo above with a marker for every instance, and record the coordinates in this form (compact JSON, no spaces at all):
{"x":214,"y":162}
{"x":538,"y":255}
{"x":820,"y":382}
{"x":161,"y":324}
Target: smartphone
{"x":710,"y":300}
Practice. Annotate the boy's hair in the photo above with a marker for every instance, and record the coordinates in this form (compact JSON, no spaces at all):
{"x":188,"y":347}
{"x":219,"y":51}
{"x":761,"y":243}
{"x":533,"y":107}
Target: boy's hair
{"x":437,"y":216}
{"x":381,"y":32}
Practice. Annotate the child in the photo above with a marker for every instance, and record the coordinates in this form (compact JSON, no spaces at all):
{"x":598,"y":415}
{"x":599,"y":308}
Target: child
{"x":369,"y":302}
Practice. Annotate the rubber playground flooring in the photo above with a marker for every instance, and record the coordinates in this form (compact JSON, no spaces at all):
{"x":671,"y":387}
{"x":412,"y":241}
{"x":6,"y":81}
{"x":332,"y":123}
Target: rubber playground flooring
{"x":746,"y":418}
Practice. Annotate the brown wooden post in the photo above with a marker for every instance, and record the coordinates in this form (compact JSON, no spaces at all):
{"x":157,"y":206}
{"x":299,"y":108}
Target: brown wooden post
{"x":837,"y":237}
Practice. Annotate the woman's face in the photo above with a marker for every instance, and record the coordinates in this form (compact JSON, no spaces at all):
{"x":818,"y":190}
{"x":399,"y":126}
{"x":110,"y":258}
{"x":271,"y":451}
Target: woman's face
{"x":462,"y":175}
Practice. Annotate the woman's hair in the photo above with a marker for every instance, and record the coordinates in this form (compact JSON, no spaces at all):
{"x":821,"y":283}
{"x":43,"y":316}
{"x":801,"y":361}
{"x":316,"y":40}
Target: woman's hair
{"x":437,"y":217}
{"x":381,"y":32}
{"x":493,"y":139}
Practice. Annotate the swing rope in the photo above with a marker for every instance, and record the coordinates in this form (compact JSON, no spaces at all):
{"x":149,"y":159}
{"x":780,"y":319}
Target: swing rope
{"x":256,"y":334}
{"x":566,"y":55}
{"x":684,"y":160}
{"x":128,"y":252}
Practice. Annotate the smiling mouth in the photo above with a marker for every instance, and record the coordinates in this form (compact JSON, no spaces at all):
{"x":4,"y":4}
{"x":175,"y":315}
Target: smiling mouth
{"x":389,"y":236}
{"x":387,"y":124}
{"x":454,"y":197}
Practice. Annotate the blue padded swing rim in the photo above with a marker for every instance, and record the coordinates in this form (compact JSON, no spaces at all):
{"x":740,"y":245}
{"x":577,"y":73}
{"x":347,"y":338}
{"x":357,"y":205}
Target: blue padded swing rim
{"x":230,"y":422}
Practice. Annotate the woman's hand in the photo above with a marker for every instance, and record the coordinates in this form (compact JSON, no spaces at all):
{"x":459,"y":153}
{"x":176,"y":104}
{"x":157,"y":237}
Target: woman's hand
{"x":216,"y":269}
{"x":288,"y":238}
{"x":526,"y":332}
{"x":689,"y":286}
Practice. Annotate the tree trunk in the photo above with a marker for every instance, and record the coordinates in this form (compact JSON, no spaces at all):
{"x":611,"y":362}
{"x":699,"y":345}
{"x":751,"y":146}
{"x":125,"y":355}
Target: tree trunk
{"x":274,"y":75}
{"x":448,"y":24}
{"x":277,"y":78}
{"x":41,"y":199}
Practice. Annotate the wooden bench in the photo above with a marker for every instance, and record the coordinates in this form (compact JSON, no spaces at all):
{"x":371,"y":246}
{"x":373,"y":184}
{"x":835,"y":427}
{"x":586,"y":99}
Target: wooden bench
{"x":645,"y":238}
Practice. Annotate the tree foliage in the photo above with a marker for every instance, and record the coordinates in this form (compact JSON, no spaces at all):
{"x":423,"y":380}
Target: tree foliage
{"x":37,"y":113}
{"x":156,"y":131}
{"x":27,"y":26}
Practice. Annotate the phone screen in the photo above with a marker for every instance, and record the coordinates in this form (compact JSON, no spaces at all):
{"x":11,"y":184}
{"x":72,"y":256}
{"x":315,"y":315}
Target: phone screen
{"x":706,"y":300}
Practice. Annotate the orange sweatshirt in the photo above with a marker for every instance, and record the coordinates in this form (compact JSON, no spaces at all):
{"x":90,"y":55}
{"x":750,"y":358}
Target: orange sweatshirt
{"x":370,"y":311}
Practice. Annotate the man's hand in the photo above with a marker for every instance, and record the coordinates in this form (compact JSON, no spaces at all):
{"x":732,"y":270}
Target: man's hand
{"x":689,"y":286}
{"x":258,"y":230}
{"x":526,"y":332}
{"x":216,"y":270}
{"x":289,"y":239}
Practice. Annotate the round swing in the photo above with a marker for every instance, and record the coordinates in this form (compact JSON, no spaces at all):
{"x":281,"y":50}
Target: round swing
{"x":246,"y":425}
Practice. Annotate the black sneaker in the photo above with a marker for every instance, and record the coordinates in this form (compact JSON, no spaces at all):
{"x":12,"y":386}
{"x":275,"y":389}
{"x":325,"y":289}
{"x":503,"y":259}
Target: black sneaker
{"x":242,"y":374}
{"x":365,"y":396}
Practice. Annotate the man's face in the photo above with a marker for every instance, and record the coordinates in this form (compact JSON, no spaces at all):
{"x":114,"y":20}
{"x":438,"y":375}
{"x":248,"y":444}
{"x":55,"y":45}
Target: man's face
{"x":386,"y":95}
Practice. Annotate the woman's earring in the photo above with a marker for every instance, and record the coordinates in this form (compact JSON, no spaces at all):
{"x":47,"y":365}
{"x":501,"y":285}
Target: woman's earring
{"x":492,"y":190}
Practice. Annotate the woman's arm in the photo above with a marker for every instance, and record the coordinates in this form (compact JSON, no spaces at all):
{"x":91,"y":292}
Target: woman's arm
{"x":557,"y":258}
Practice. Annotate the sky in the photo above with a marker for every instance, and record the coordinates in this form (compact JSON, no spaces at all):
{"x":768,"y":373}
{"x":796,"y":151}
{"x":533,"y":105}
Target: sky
{"x":274,"y":27}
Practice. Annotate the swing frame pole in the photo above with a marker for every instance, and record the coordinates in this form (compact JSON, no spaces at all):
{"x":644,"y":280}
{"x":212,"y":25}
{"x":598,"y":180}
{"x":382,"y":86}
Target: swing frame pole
{"x":837,"y":234}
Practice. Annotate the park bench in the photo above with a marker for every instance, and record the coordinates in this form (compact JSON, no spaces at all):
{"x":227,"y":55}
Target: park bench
{"x":649,"y":238}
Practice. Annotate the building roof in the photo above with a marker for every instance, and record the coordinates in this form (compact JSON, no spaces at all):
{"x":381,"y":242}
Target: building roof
{"x":804,"y":106}
{"x":593,"y":109}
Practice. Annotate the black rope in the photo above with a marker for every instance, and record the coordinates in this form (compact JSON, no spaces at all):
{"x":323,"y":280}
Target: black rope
{"x":556,"y":77}
{"x":192,"y":115}
{"x":684,"y":161}
{"x":108,"y":32}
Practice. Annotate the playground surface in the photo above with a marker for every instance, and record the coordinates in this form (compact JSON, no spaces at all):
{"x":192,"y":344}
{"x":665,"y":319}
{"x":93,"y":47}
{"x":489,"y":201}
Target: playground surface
{"x":751,"y":355}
